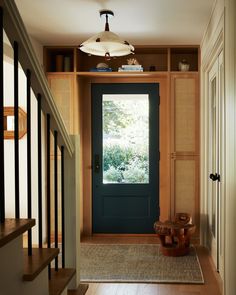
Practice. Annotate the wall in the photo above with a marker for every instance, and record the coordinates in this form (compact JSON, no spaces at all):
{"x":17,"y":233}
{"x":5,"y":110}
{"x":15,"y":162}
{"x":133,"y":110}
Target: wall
{"x":230,"y":97}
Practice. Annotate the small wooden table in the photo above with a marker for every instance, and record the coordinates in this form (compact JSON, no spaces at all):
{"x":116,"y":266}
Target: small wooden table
{"x":174,"y":237}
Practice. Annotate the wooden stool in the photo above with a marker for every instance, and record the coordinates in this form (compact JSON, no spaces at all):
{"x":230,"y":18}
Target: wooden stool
{"x":175,"y":235}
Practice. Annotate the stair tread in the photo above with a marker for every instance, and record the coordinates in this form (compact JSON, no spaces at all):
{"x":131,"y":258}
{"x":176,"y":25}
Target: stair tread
{"x":12,"y":228}
{"x":59,"y":280}
{"x":81,"y":290}
{"x":40,"y":259}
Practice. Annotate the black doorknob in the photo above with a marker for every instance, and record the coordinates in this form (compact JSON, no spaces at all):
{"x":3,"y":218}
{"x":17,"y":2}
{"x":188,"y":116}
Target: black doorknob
{"x":214,"y":177}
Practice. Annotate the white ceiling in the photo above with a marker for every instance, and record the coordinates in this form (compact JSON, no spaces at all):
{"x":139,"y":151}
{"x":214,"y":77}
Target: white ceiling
{"x":150,"y":22}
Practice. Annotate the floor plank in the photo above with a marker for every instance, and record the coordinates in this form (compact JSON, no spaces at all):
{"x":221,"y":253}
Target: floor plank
{"x":211,"y":277}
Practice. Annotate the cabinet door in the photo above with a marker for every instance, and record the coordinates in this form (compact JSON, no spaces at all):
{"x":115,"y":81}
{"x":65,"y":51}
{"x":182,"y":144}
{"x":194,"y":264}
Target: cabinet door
{"x":185,"y":145}
{"x":62,"y":88}
{"x":185,"y":186}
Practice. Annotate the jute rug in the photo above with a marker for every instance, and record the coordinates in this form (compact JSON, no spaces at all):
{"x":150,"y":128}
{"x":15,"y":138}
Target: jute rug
{"x":137,"y":263}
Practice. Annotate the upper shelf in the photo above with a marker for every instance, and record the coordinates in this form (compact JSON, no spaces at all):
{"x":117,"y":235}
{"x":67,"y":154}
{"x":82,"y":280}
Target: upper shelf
{"x":153,"y":59}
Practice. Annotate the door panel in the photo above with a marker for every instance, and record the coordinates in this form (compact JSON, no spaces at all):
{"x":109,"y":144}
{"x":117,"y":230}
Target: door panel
{"x":125,"y":157}
{"x":185,"y":145}
{"x":185,"y":115}
{"x":185,"y":185}
{"x":216,"y":160}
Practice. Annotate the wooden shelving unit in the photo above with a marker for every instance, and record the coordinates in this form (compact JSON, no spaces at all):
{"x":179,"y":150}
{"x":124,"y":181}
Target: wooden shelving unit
{"x":59,"y":59}
{"x":161,"y":59}
{"x":179,"y":107}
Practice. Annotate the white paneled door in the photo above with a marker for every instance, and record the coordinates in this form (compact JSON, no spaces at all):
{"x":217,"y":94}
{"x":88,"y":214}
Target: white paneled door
{"x":216,"y":154}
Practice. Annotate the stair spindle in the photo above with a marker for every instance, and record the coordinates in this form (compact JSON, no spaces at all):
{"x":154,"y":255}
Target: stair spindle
{"x":16,"y":129}
{"x":55,"y":197}
{"x":29,"y":180}
{"x":40,"y":219}
{"x":62,"y":208}
{"x":2,"y":182}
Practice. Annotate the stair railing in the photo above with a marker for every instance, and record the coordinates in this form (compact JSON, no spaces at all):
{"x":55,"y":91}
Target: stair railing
{"x":12,"y":24}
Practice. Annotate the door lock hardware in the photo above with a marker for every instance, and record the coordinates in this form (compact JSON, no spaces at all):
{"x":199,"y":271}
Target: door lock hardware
{"x":214,"y":177}
{"x":96,"y":163}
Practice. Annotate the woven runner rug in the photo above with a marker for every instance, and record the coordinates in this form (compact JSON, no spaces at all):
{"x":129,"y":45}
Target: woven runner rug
{"x":137,"y":263}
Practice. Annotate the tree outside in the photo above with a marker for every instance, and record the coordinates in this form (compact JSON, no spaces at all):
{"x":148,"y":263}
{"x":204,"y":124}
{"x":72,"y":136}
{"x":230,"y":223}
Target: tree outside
{"x":125,"y":139}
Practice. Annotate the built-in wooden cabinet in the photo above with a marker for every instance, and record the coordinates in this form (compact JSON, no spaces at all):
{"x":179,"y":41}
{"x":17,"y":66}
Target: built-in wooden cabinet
{"x":185,"y":144}
{"x":63,"y":90}
{"x":154,"y":59}
{"x":179,"y":115}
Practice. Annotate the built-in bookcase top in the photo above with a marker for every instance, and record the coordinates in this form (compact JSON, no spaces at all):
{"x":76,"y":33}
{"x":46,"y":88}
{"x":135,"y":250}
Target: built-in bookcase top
{"x":70,"y":59}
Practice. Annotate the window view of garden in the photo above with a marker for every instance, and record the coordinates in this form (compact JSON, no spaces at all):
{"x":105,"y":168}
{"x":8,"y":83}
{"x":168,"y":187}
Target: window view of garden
{"x":125,"y":138}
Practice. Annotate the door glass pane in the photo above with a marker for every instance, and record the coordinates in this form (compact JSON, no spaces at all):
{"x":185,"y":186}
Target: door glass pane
{"x":125,"y":138}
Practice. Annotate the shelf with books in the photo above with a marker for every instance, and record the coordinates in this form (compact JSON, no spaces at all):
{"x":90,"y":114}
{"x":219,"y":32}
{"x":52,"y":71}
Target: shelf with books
{"x":59,"y":59}
{"x":155,"y":59}
{"x":150,"y":59}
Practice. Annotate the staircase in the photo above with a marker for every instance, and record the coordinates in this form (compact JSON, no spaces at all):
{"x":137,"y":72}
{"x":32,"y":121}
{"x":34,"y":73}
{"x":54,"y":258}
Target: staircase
{"x":50,"y":262}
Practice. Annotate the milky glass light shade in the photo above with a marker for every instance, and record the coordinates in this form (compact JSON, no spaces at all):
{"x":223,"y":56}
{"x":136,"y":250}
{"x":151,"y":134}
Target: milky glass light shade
{"x":106,"y":44}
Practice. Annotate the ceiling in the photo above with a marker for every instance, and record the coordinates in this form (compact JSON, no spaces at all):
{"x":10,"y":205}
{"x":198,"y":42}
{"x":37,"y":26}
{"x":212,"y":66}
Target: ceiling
{"x":150,"y":22}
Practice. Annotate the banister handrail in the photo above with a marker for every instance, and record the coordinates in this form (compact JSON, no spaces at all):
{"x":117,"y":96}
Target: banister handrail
{"x":16,"y":31}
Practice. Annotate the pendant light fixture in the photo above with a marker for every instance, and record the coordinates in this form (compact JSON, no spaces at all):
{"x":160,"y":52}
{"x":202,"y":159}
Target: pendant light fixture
{"x":106,"y":43}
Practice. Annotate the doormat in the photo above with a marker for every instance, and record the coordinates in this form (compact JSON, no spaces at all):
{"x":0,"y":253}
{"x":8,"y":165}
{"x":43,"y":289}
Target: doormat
{"x":137,"y":263}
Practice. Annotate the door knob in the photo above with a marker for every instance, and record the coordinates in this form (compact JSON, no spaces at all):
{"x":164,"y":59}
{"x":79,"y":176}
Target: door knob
{"x":214,"y":177}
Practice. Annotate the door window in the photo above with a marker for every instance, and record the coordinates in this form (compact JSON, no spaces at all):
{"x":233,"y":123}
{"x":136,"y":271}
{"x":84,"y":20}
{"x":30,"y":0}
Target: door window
{"x":125,"y":138}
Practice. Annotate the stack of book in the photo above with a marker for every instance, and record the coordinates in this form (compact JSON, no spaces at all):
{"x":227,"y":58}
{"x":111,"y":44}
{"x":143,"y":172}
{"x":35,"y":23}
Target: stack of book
{"x":130,"y":68}
{"x":100,"y":70}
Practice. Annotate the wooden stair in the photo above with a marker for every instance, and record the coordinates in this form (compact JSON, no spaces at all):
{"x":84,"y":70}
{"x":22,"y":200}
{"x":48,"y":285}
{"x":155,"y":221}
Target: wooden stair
{"x":32,"y":266}
{"x":13,"y":228}
{"x":82,"y":289}
{"x":59,"y":280}
{"x":40,"y":259}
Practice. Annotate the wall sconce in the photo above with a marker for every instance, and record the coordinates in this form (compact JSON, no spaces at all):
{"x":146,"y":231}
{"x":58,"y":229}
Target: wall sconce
{"x":9,"y":123}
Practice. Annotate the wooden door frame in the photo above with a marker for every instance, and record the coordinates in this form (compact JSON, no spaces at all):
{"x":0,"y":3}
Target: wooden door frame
{"x":86,"y":145}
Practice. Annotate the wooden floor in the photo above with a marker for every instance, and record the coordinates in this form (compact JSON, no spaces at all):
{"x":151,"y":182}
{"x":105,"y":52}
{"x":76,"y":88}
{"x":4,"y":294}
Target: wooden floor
{"x":211,"y":277}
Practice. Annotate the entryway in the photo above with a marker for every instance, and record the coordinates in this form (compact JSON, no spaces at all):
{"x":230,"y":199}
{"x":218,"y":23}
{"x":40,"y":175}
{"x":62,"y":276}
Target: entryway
{"x":125,"y":157}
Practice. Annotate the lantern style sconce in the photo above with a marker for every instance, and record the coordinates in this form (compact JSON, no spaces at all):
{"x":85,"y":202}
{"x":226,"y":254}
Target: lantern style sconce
{"x":9,"y":123}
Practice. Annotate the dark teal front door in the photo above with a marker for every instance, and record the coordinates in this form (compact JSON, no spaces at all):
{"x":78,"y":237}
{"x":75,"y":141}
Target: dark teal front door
{"x":125,"y":155}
